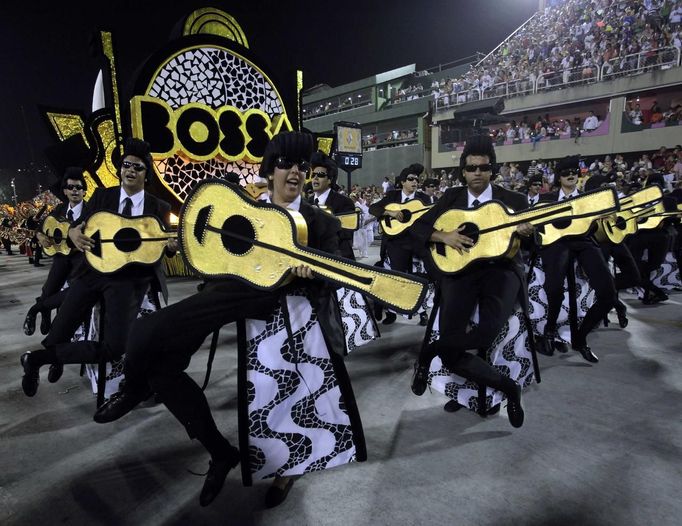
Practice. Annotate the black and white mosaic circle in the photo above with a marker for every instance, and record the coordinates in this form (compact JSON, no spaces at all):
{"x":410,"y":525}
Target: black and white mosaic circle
{"x":215,"y":77}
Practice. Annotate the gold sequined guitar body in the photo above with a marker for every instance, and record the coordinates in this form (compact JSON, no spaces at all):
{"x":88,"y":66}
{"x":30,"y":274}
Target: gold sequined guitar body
{"x":633,"y":208}
{"x":58,"y":232}
{"x":492,"y":227}
{"x":121,"y":241}
{"x":586,"y":209}
{"x":412,"y":210}
{"x":223,"y":234}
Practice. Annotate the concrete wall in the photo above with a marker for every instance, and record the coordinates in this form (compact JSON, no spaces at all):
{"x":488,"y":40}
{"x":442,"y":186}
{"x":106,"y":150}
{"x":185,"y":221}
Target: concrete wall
{"x":378,"y":164}
{"x":613,"y":142}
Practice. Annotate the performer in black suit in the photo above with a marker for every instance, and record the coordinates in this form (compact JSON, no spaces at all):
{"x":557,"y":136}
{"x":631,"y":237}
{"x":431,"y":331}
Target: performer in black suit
{"x":556,"y":258}
{"x":6,"y":227}
{"x":399,"y":249}
{"x":74,"y":188}
{"x":324,"y":175}
{"x":430,"y":186}
{"x":162,"y":344}
{"x":534,"y":185}
{"x":494,"y":285}
{"x":122,"y":292}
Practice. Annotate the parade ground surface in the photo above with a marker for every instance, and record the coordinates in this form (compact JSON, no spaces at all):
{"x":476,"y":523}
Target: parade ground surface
{"x":601,"y":444}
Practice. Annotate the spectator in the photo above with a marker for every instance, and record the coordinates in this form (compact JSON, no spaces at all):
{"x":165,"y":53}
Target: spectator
{"x":636,"y":117}
{"x":591,"y":122}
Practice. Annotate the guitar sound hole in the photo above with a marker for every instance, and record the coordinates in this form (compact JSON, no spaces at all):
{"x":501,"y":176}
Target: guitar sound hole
{"x":561,"y":223}
{"x":620,"y":223}
{"x":127,"y":240}
{"x":241,"y":226}
{"x":57,"y":236}
{"x":407,"y":214}
{"x":471,"y":231}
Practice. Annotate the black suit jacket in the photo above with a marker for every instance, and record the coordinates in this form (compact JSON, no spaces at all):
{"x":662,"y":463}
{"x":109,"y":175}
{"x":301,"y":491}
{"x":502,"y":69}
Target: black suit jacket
{"x":340,"y":204}
{"x":108,"y":199}
{"x":457,"y":198}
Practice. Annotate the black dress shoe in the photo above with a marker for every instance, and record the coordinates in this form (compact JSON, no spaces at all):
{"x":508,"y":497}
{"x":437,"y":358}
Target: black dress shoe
{"x":452,"y":406}
{"x":420,"y":379}
{"x":423,"y":319}
{"x":586,"y":353}
{"x":215,"y":478}
{"x":45,"y":322}
{"x":514,"y":407}
{"x":54,"y":373}
{"x":560,"y":347}
{"x":544,"y":346}
{"x":606,"y":320}
{"x":120,"y":404}
{"x":275,"y":495}
{"x":390,"y":318}
{"x":30,"y":323}
{"x":31,"y":378}
{"x":622,"y":318}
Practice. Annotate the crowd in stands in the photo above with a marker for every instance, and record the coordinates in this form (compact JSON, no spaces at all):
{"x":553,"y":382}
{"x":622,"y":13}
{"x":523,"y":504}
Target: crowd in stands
{"x":374,"y":141}
{"x":570,"y":43}
{"x":654,"y":115}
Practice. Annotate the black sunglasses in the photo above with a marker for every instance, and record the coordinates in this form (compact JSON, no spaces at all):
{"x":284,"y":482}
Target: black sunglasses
{"x":412,"y":178}
{"x":138,"y":167}
{"x":285,"y":164}
{"x":471,"y":168}
{"x":73,"y":187}
{"x":536,"y":184}
{"x":320,"y":174}
{"x":431,"y":186}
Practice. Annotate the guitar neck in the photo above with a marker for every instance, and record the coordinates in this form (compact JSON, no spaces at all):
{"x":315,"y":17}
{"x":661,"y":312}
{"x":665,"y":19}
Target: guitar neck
{"x":402,"y":293}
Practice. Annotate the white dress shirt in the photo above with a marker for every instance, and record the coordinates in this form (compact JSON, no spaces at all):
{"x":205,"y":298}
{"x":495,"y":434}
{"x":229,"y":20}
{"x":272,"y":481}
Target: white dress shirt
{"x":574,"y":193}
{"x":322,"y":198}
{"x":486,"y":195}
{"x":138,"y":202}
{"x":76,"y":211}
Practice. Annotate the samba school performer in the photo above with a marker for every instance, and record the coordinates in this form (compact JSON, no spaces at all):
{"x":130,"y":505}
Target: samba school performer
{"x":74,"y":188}
{"x":324,"y":175}
{"x":121,"y":291}
{"x":162,"y":344}
{"x":399,"y":248}
{"x":495,"y":285}
{"x":556,"y":258}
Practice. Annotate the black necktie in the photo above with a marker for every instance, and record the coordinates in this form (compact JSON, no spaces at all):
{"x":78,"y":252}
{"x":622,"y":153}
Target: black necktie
{"x":127,"y":207}
{"x":563,"y":198}
{"x":475,"y":203}
{"x":69,"y":216}
{"x":316,"y":202}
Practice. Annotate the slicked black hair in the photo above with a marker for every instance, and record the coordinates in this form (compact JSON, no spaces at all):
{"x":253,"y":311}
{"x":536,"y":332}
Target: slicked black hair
{"x":478,"y":145}
{"x":414,"y":169}
{"x":141,"y":150}
{"x":295,"y":146}
{"x":320,"y":158}
{"x":75,"y":173}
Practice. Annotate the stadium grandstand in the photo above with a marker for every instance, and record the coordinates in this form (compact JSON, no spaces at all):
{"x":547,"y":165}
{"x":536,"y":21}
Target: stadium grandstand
{"x":596,"y":78}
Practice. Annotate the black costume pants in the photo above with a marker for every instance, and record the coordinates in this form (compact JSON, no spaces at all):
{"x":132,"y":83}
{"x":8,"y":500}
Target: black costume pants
{"x":161,"y":345}
{"x":59,"y":272}
{"x":495,"y":287}
{"x":628,"y":274}
{"x":555,"y":260}
{"x":655,"y":242}
{"x":121,"y":294}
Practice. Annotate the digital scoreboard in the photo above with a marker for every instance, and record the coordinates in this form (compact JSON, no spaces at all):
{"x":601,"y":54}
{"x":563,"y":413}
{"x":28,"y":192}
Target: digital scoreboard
{"x":348,"y":145}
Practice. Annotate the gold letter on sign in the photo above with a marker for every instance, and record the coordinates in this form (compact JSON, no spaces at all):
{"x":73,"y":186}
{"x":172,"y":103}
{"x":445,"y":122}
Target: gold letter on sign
{"x":201,"y":132}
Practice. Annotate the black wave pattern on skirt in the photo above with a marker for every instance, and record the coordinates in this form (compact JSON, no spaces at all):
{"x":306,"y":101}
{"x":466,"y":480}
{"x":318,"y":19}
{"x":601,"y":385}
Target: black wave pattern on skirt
{"x":359,"y":324}
{"x":509,"y":353}
{"x":89,"y":331}
{"x":537,"y":302}
{"x":298,"y":419}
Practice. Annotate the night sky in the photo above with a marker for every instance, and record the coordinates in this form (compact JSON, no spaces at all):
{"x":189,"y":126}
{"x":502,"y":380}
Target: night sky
{"x":45,"y":57}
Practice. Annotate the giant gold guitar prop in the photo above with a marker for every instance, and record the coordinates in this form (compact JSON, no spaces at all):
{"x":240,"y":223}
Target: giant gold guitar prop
{"x":411,"y":210}
{"x":58,"y":232}
{"x":492,"y":227}
{"x":633,"y":208}
{"x":587,"y":208}
{"x":349,"y":220}
{"x":120,"y":241}
{"x":223,"y":234}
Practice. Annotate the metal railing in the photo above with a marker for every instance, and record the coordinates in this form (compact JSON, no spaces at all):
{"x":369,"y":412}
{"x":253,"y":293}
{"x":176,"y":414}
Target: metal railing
{"x":635,"y":63}
{"x":661,"y":58}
